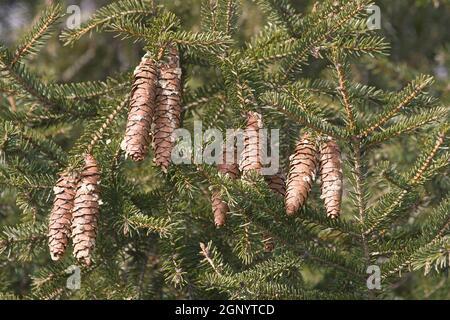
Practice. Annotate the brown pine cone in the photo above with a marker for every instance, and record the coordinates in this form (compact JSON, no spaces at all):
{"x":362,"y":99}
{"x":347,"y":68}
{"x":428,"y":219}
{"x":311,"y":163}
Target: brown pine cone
{"x":61,"y":215}
{"x":252,"y":152}
{"x":230,"y":169}
{"x":86,"y":211}
{"x":302,"y":171}
{"x":220,"y":208}
{"x":168,"y":109}
{"x":331,"y":177}
{"x":277,"y":183}
{"x":142,"y":106}
{"x":269,"y":243}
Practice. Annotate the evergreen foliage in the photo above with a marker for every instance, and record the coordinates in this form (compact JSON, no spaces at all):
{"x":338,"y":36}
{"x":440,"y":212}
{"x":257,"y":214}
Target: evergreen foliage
{"x":157,"y":238}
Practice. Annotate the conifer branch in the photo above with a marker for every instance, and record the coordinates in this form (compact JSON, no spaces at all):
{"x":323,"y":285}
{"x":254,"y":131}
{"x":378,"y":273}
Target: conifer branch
{"x":25,"y":80}
{"x":348,"y":12}
{"x":426,"y":164}
{"x":361,"y":45}
{"x":361,"y":199}
{"x":38,"y":34}
{"x":22,"y":239}
{"x":407,"y":124}
{"x":19,"y":140}
{"x":419,"y":255}
{"x":345,"y":96}
{"x":131,"y":9}
{"x":282,"y":13}
{"x":212,"y":43}
{"x":398,"y":198}
{"x":231,"y":16}
{"x":199,"y":100}
{"x":295,"y":112}
{"x":408,"y":95}
{"x":93,"y":89}
{"x":152,"y":222}
{"x":109,"y":120}
{"x":205,"y":253}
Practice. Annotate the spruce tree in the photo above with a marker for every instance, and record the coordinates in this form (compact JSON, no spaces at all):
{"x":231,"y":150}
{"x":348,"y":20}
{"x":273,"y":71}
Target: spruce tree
{"x":91,"y":179}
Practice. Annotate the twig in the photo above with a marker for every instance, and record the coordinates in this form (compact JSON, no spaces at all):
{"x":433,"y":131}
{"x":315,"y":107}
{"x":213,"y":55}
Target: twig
{"x":205,"y":253}
{"x":99,"y":134}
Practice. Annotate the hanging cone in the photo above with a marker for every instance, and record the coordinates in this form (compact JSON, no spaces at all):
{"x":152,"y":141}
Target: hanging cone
{"x":269,"y":243}
{"x":331,"y":177}
{"x":302,"y":171}
{"x":142,"y":106}
{"x":220,"y":208}
{"x":252,"y":152}
{"x":86,"y":211}
{"x":229,"y":167}
{"x":61,"y":215}
{"x":168,"y":109}
{"x":277,"y":183}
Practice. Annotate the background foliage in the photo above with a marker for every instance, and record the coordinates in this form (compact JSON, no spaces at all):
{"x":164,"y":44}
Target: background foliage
{"x":148,"y":242}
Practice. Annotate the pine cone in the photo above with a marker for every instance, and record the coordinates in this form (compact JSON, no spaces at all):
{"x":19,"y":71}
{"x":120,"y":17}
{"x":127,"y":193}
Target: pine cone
{"x":61,"y":215}
{"x":277,"y":183}
{"x":251,"y":155}
{"x":142,"y":106}
{"x":331,"y":177}
{"x":220,"y":208}
{"x":168,"y":109}
{"x":302,"y":171}
{"x":86,"y":211}
{"x":269,"y":243}
{"x":229,"y":169}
